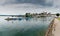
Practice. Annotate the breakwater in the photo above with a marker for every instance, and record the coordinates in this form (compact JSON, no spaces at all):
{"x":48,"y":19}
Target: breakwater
{"x":50,"y":28}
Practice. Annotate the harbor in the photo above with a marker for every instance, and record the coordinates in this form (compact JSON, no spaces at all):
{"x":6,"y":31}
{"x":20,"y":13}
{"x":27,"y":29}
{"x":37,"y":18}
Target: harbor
{"x":29,"y":15}
{"x":29,"y":18}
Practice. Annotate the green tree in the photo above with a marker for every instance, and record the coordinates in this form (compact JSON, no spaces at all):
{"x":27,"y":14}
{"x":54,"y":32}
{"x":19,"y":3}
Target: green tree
{"x":28,"y":15}
{"x":57,"y":14}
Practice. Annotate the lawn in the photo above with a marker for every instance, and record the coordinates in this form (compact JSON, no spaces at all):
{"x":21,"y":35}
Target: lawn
{"x":58,"y":18}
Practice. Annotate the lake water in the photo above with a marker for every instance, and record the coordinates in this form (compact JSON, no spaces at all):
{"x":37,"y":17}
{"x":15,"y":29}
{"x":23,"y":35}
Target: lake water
{"x":24,"y":27}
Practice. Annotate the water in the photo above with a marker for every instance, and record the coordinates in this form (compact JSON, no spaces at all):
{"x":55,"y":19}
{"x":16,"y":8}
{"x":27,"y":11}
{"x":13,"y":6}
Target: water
{"x":24,"y":27}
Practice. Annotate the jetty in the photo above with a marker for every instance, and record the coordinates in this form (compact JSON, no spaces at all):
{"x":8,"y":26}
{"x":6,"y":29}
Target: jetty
{"x":54,"y":28}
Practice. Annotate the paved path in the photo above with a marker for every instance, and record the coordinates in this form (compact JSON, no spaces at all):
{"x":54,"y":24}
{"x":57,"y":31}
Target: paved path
{"x":56,"y":30}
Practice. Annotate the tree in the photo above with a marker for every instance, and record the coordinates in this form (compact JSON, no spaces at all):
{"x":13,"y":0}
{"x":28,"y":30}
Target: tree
{"x":27,"y":14}
{"x":57,"y":14}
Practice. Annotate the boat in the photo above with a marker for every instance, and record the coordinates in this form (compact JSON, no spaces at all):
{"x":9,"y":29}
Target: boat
{"x":13,"y":19}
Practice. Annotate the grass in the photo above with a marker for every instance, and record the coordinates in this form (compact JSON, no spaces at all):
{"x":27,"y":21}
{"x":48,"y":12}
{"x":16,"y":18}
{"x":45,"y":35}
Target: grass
{"x":58,"y":18}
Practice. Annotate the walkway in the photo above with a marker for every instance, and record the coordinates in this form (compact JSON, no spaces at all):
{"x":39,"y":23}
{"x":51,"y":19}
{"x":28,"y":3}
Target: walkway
{"x":56,"y":28}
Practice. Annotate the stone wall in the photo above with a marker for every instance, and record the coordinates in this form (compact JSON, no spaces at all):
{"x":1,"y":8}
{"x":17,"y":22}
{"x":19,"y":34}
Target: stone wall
{"x":50,"y":28}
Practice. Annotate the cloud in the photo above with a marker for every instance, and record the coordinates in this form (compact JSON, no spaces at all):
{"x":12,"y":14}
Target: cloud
{"x":48,"y":3}
{"x":20,"y":9}
{"x":32,"y":6}
{"x":39,"y":2}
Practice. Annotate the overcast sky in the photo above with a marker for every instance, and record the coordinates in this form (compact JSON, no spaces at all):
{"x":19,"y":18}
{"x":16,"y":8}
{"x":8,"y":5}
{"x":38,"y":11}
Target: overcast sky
{"x":20,"y":7}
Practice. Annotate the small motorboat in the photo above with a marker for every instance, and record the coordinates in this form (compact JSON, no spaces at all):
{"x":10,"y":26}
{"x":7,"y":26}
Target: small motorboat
{"x":13,"y":19}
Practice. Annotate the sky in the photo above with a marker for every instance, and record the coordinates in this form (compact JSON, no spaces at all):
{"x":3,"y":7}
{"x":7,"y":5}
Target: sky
{"x":20,"y":7}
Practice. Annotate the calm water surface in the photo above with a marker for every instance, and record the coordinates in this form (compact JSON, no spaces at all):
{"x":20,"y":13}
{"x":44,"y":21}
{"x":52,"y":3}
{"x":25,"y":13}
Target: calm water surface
{"x":24,"y":27}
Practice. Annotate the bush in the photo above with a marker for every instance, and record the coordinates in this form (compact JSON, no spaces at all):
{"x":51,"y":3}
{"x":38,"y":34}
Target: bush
{"x":57,"y":14}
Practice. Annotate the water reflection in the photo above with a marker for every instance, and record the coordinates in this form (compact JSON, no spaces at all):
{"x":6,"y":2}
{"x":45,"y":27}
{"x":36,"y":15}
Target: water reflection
{"x":45,"y":19}
{"x":28,"y":19}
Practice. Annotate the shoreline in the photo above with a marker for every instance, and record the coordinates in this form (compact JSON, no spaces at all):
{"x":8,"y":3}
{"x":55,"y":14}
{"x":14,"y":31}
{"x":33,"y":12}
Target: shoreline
{"x":50,"y":28}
